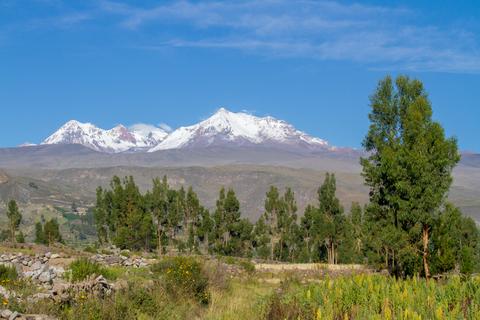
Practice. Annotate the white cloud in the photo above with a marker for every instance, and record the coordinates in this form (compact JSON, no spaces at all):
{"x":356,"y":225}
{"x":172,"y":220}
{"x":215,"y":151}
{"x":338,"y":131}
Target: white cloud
{"x":378,"y":36}
{"x":165,"y":127}
{"x":145,"y":128}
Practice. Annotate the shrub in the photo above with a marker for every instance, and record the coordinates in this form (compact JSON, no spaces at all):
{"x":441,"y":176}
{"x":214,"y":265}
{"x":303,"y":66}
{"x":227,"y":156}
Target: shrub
{"x":90,"y":249}
{"x":8,"y":273}
{"x":184,"y":276}
{"x":20,"y":237}
{"x":82,"y":268}
{"x":230,"y":260}
{"x":126,"y":253}
{"x":248,"y":266}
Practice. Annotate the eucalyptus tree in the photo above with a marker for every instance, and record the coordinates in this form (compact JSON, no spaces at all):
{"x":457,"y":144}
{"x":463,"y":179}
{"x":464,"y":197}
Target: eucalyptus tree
{"x":408,"y":168}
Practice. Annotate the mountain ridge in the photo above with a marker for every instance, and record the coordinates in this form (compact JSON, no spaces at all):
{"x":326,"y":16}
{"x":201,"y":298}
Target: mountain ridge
{"x":223,"y":128}
{"x":117,"y":139}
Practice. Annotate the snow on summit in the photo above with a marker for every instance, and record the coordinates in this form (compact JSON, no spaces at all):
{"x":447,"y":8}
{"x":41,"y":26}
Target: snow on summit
{"x":117,"y":139}
{"x":224,"y":128}
{"x":230,"y":128}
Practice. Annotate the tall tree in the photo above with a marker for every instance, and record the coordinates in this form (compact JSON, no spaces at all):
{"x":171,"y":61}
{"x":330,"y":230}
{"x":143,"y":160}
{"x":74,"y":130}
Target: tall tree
{"x":356,"y":220}
{"x":287,"y":226}
{"x":331,"y":215}
{"x":273,"y":207}
{"x":100,"y":216}
{"x":14,"y":218}
{"x":52,"y":232}
{"x":410,"y":162}
{"x":39,"y":234}
{"x":158,"y":205}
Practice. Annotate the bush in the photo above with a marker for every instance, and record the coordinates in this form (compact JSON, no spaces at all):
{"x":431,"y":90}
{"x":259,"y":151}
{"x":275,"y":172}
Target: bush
{"x":248,"y":266}
{"x":90,"y":249}
{"x":184,"y":276}
{"x":8,"y":273}
{"x":82,"y":268}
{"x":20,"y":237}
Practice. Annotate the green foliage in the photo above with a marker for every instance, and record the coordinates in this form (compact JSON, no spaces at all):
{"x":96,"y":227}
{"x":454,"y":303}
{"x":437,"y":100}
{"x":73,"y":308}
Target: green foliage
{"x":51,"y":231}
{"x":8,"y":273}
{"x":20,"y":237}
{"x":90,"y":249}
{"x":407,"y":228}
{"x":121,"y":216}
{"x":379,"y":297}
{"x":82,"y":268}
{"x":324,"y":226}
{"x":14,"y":218}
{"x":184,"y":276}
{"x":248,"y":266}
{"x":408,"y":172}
{"x":4,"y":235}
{"x":39,"y":234}
{"x":231,"y":233}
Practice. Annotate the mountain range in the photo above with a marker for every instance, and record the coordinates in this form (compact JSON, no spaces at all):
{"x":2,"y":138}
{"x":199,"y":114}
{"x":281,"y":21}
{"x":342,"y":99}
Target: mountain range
{"x":224,"y":128}
{"x":228,"y":149}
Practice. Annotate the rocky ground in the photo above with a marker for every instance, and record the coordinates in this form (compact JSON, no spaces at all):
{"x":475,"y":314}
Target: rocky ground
{"x":47,"y":271}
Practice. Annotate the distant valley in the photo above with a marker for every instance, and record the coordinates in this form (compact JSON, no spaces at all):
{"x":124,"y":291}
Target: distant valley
{"x":218,"y":152}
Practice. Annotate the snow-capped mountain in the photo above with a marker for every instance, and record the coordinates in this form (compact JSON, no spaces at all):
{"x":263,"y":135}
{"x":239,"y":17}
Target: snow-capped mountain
{"x":118,"y":139}
{"x":227,"y":128}
{"x":224,"y":128}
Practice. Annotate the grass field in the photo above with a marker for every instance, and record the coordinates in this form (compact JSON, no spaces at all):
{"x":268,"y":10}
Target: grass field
{"x":210,"y":288}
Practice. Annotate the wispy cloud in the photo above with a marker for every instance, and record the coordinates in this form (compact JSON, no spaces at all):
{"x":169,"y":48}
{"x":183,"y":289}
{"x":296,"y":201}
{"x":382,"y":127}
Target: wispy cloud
{"x":147,"y":128}
{"x":379,"y":37}
{"x":165,"y":127}
{"x":373,"y":35}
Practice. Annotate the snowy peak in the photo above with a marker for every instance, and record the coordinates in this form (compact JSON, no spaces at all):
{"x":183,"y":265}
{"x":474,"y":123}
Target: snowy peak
{"x":226,"y":128}
{"x":117,"y":139}
{"x":223,"y":128}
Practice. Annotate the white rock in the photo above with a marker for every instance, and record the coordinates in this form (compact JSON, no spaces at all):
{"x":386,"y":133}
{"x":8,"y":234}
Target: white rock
{"x":6,"y":314}
{"x":36,"y":265}
{"x":45,"y":277}
{"x":14,"y":315}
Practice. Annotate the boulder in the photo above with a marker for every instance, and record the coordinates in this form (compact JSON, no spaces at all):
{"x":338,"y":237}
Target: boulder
{"x":36,"y":265}
{"x":14,"y":315}
{"x":45,"y":277}
{"x":5,"y":314}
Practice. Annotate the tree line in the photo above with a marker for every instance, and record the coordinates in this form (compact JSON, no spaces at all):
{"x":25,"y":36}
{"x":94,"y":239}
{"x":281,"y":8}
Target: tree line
{"x":408,"y":226}
{"x":46,"y":232}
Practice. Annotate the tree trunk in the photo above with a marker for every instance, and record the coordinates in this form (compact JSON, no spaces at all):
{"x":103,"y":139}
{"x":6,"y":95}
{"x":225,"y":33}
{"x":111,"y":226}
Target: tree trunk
{"x":272,"y":246}
{"x":13,"y":235}
{"x":159,"y":240}
{"x":425,"y":240}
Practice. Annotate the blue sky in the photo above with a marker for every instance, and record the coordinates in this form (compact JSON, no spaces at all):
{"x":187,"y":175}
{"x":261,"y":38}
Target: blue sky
{"x":312,"y":63}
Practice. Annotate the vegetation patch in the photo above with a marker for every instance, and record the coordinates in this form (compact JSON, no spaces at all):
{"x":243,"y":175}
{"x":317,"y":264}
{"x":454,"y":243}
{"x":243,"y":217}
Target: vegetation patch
{"x":184,"y":276}
{"x":378,"y":297}
{"x":8,"y":273}
{"x":82,"y":268}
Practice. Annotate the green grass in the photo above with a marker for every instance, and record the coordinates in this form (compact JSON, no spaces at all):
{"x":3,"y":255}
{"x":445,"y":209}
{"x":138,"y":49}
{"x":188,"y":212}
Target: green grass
{"x":378,"y":297}
{"x":8,"y":273}
{"x":168,"y":290}
{"x":82,"y":268}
